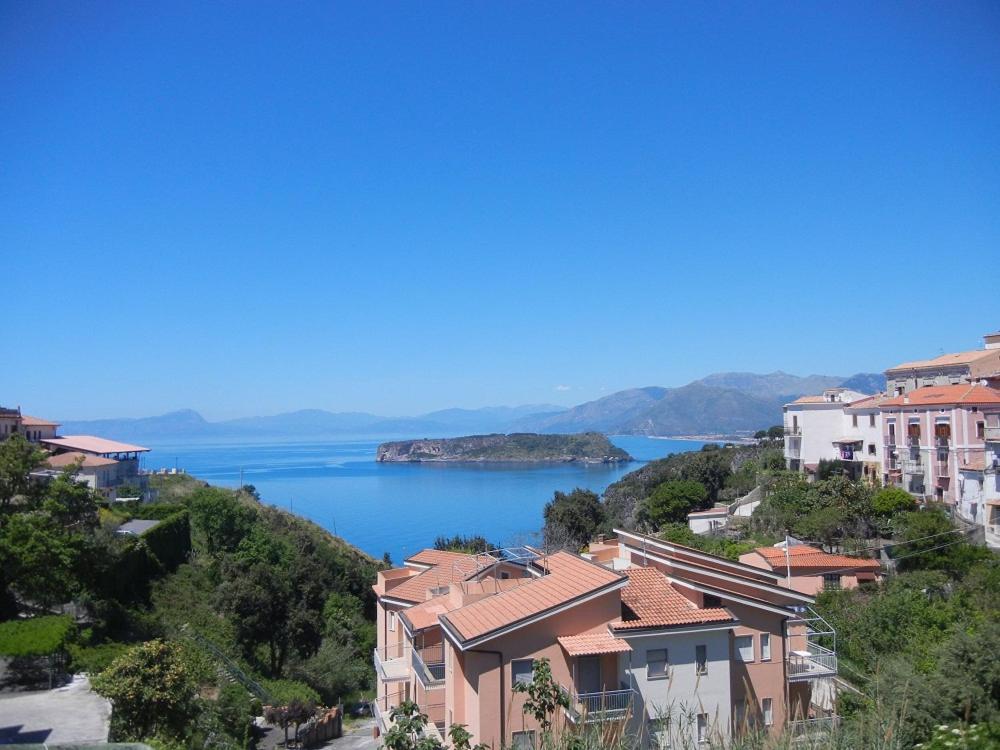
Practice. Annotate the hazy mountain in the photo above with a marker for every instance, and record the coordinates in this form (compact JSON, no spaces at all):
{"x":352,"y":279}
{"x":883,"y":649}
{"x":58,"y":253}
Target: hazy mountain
{"x":723,"y":403}
{"x":181,"y":423}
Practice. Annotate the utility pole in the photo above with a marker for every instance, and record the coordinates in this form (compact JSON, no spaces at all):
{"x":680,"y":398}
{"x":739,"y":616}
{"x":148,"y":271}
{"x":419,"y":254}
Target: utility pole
{"x":788,"y":565}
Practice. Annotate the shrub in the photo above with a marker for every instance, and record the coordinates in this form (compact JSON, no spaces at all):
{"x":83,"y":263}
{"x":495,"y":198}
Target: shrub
{"x":39,"y":636}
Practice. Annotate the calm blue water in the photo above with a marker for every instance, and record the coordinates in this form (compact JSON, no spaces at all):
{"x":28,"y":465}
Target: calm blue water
{"x":398,"y":508}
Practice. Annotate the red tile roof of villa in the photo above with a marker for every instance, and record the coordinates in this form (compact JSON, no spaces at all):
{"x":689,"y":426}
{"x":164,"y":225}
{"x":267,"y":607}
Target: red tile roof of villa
{"x":570,"y":578}
{"x":85,"y":460}
{"x":29,"y":421}
{"x":425,"y":614}
{"x":934,"y":395}
{"x":809,"y":400}
{"x":448,"y":571}
{"x":945,"y":360}
{"x":592,"y":644}
{"x":435,"y":557}
{"x":804,"y":556}
{"x":91,"y":444}
{"x":653,"y":603}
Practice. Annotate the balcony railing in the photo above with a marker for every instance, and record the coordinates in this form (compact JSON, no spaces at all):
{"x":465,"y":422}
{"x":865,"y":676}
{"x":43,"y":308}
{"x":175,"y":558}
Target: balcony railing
{"x":992,"y":435}
{"x":913,"y":441}
{"x":382,"y":709}
{"x":428,"y":666}
{"x":913,"y":466}
{"x":606,"y":705}
{"x":812,"y":662}
{"x":812,"y":644}
{"x":813,"y":728}
{"x":392,"y":663}
{"x":793,"y":451}
{"x":942,"y":442}
{"x":794,"y":431}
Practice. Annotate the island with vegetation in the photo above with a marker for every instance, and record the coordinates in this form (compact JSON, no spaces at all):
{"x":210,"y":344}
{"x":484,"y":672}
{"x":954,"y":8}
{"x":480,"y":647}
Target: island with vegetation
{"x":517,"y":447}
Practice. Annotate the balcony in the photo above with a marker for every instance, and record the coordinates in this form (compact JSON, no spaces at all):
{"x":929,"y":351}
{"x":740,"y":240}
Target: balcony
{"x":428,"y":666}
{"x":392,"y":663}
{"x":607,"y":705}
{"x":794,"y":431}
{"x":793,"y":451}
{"x":913,"y":441}
{"x":813,"y":729}
{"x":942,"y":442}
{"x":913,"y":466}
{"x":992,"y":435}
{"x":382,"y":709}
{"x":812,"y":644}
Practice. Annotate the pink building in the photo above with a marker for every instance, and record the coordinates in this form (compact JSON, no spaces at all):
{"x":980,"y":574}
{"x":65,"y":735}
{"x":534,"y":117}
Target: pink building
{"x":633,"y":631}
{"x":811,"y":570}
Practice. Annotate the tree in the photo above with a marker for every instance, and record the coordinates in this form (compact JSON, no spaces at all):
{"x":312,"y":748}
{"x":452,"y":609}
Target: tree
{"x":151,"y":689}
{"x":221,"y":519}
{"x":38,"y":558}
{"x":460,"y":543}
{"x":889,"y":501}
{"x":710,"y":467}
{"x":544,"y":695}
{"x":777,"y":432}
{"x":929,"y":541}
{"x":258,"y":599}
{"x":18,"y":458}
{"x":830,"y":467}
{"x":823,"y":524}
{"x":69,"y":503}
{"x":573,"y":519}
{"x":671,"y":502}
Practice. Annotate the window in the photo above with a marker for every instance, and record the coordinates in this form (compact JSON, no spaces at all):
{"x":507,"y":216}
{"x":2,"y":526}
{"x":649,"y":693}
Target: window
{"x":701,"y":659}
{"x":656,"y":662}
{"x":744,"y":647}
{"x":871,"y":420}
{"x":524,"y":740}
{"x":504,"y":575}
{"x":854,"y":420}
{"x":871,"y":449}
{"x":765,"y":647}
{"x":392,"y":622}
{"x":521,"y":671}
{"x":981,"y":430}
{"x":767,"y":711}
{"x":711,"y":600}
{"x":702,"y":727}
{"x":831,"y":581}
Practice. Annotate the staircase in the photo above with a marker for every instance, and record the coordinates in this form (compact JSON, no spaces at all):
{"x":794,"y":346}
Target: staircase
{"x":228,"y":670}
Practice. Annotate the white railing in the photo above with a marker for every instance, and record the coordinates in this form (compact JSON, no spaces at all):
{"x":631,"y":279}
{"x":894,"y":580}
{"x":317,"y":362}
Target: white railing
{"x":606,"y":705}
{"x":793,"y":431}
{"x":814,"y":661}
{"x":813,"y":727}
{"x":992,"y":434}
{"x":913,"y":466}
{"x":380,"y":719}
{"x":430,"y":675}
{"x":391,"y":663}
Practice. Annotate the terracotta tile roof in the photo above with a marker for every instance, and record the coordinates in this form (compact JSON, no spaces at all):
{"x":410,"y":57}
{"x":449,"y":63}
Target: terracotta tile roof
{"x":435,"y":557}
{"x":91,"y":444}
{"x":29,"y":421}
{"x":591,"y":644}
{"x":936,"y":395}
{"x":651,"y":602}
{"x":570,"y":577}
{"x":85,"y":459}
{"x":868,"y":402}
{"x":425,"y":614}
{"x":803,"y":556}
{"x":974,"y":464}
{"x":416,"y":588}
{"x":945,"y":360}
{"x":809,"y":400}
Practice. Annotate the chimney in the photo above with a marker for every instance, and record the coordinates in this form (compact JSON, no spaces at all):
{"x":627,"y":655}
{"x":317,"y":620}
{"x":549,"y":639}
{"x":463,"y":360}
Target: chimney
{"x":992,"y":340}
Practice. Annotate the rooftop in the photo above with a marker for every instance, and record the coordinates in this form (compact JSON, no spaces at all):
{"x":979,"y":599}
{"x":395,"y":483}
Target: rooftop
{"x":945,"y":360}
{"x":86,"y":460}
{"x":137,"y":526}
{"x":805,"y":556}
{"x":592,"y":644}
{"x":935,"y":395}
{"x":29,"y":421}
{"x":91,"y":444}
{"x":649,"y":601}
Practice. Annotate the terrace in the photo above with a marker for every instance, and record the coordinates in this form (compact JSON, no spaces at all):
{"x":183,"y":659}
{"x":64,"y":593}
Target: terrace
{"x":601,"y":706}
{"x":808,"y":657}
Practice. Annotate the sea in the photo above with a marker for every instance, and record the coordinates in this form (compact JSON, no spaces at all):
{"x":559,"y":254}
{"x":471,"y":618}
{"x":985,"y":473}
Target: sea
{"x":398,"y":508}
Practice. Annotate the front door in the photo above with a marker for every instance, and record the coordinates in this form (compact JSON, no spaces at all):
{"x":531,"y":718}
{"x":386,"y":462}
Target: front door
{"x":588,"y":674}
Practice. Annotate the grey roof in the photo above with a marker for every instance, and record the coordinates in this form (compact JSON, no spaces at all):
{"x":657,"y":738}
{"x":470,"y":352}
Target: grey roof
{"x":137,"y":526}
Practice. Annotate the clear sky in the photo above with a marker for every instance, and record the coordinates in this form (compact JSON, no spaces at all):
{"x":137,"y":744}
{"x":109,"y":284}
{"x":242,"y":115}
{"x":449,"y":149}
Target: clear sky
{"x":245,"y":208}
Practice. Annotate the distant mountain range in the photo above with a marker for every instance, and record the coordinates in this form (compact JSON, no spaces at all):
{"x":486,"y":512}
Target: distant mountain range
{"x":726,"y":403}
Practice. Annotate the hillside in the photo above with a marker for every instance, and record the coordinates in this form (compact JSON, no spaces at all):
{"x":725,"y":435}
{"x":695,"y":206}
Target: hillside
{"x":725,"y":403}
{"x":588,"y":447}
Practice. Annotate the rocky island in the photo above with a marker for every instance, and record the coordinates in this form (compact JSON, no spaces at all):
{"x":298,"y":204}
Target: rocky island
{"x":518,"y":447}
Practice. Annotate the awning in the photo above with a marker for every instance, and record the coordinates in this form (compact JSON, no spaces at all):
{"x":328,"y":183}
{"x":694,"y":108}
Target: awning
{"x":848,"y":440}
{"x":592,"y":644}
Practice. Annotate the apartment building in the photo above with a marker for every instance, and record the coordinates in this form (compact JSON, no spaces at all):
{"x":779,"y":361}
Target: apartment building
{"x":823,"y":428}
{"x":34,"y":429}
{"x":943,"y":443}
{"x":662,"y":640}
{"x":980,"y":366}
{"x":104,"y":465}
{"x":811,"y":570}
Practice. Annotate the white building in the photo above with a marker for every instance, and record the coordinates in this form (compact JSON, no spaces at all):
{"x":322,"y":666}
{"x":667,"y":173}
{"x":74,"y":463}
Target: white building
{"x":827,"y":427}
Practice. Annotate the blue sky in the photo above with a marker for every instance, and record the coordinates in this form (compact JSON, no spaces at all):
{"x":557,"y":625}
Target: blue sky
{"x":246,"y":208}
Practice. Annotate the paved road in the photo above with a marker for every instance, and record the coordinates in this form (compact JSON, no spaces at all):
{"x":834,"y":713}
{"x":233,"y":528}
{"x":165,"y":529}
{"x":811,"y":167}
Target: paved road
{"x":359,"y":737}
{"x":72,"y":713}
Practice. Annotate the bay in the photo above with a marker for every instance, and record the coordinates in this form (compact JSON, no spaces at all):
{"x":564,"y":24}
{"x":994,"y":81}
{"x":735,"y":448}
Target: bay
{"x":397,"y":508}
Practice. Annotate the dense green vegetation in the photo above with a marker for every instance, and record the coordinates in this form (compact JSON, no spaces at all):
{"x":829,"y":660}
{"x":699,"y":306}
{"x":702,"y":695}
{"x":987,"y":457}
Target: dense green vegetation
{"x":222,"y":586}
{"x":460,"y":543}
{"x":516,"y":447}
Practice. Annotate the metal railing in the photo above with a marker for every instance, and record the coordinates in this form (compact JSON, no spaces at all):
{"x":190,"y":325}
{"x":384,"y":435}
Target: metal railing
{"x":793,"y":431}
{"x":391,"y":663}
{"x":231,"y":669}
{"x":813,"y":727}
{"x":380,"y":719}
{"x":605,"y":705}
{"x":992,"y":434}
{"x":941,"y":442}
{"x":430,"y":674}
{"x":913,"y":441}
{"x":816,"y":661}
{"x":793,"y":452}
{"x":913,"y":466}
{"x":812,"y":647}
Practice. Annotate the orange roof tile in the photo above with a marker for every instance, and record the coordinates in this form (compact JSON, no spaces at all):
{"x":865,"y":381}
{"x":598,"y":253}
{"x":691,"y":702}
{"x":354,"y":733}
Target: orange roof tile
{"x":809,"y":400}
{"x":435,"y":557}
{"x":425,"y":614}
{"x":803,"y":556}
{"x":591,"y":644}
{"x":945,"y":360}
{"x":29,"y":421}
{"x":937,"y":395}
{"x":84,"y":459}
{"x":416,"y":588}
{"x":570,"y":578}
{"x":651,"y":602}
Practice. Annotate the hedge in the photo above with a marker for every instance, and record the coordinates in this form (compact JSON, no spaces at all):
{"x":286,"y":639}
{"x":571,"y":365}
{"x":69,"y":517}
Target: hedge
{"x":39,"y":636}
{"x":170,"y":540}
